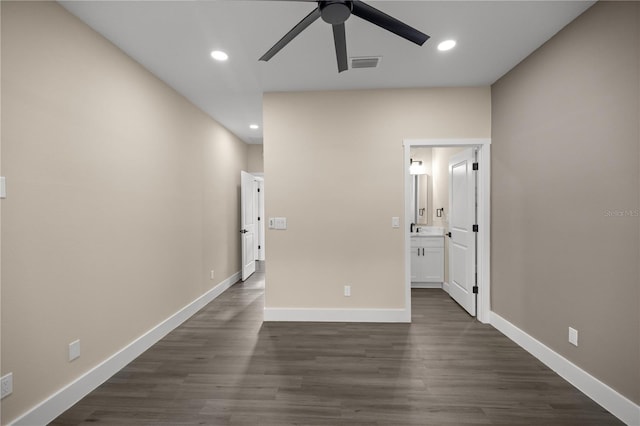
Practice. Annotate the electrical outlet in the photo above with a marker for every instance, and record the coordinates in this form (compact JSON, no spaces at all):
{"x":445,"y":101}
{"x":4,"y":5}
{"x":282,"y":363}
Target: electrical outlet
{"x":74,"y":350}
{"x":6,"y":385}
{"x":573,"y":336}
{"x":347,"y":290}
{"x":213,"y":274}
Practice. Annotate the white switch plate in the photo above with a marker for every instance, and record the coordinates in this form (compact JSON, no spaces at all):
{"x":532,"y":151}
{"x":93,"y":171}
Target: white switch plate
{"x":347,"y":290}
{"x":6,"y":385}
{"x":277,"y":223}
{"x":74,"y":350}
{"x":3,"y":187}
{"x":213,"y":274}
{"x":395,"y":222}
{"x":573,"y":336}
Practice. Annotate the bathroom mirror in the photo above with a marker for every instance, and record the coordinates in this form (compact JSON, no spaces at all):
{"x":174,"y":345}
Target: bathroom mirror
{"x":421,"y":190}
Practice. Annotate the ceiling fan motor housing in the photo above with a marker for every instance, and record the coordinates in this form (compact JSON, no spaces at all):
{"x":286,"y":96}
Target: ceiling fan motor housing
{"x":335,"y":11}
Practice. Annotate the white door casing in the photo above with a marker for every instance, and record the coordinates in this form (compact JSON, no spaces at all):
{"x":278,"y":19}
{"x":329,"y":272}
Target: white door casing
{"x":256,"y":208}
{"x":260,"y":222}
{"x":462,"y":217}
{"x":247,"y":223}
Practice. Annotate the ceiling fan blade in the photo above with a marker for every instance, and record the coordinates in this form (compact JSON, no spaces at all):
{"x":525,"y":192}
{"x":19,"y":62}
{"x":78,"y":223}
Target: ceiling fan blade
{"x":340,"y":42}
{"x":308,"y":20}
{"x":389,"y":23}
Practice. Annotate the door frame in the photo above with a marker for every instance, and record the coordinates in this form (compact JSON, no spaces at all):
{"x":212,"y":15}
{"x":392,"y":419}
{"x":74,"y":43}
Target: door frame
{"x":260,"y":212}
{"x":484,"y":217}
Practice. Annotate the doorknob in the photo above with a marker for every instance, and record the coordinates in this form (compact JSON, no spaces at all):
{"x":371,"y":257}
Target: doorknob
{"x":449,"y":234}
{"x":243,"y":231}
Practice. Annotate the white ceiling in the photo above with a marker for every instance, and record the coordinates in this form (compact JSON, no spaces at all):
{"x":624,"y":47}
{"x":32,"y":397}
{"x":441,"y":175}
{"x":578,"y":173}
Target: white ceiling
{"x":173,"y":39}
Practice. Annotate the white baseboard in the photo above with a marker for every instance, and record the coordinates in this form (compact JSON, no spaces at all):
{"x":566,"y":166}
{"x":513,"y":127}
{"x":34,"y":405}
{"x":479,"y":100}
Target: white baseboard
{"x":616,"y":403}
{"x":445,"y":286}
{"x":336,"y":315}
{"x":426,"y":285}
{"x":63,"y":399}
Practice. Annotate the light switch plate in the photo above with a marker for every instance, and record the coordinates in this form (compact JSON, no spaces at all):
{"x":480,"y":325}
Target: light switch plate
{"x":3,"y":187}
{"x":395,"y":222}
{"x":277,"y":223}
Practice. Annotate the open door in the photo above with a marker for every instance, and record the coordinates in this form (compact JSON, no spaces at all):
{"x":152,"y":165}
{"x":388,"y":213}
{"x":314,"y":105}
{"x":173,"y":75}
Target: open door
{"x":247,"y":224}
{"x":462,"y":218}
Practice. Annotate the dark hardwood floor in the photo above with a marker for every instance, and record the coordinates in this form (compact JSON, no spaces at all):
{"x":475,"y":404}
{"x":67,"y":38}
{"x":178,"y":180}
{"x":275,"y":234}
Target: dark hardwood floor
{"x":224,"y":366}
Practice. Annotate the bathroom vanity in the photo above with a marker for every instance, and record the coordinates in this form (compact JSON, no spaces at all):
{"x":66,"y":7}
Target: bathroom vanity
{"x":427,"y":242}
{"x":427,"y":259}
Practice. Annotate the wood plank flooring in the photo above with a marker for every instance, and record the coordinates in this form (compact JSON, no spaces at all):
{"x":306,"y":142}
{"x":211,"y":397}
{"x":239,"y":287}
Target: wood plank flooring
{"x":225,"y":367}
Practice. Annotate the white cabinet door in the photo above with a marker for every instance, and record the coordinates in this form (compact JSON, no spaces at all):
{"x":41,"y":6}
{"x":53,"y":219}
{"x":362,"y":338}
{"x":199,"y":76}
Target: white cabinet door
{"x":433,"y":265}
{"x":416,"y":264}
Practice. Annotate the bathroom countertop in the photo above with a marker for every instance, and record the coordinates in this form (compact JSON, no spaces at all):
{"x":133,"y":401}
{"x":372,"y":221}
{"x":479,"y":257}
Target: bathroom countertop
{"x":428,"y":231}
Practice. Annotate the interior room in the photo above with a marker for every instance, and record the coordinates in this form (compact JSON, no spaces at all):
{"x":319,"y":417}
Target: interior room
{"x":143,"y":280}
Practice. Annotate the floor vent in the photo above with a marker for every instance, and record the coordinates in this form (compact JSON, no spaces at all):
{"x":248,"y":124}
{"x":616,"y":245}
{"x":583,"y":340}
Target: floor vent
{"x":366,"y":62}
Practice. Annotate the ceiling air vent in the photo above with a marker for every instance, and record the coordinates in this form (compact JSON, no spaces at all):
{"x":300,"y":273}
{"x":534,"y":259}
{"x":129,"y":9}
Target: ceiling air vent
{"x":366,"y":62}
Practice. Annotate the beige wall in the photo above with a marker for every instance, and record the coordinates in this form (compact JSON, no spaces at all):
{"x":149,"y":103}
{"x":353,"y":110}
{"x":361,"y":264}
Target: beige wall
{"x":334,"y":167}
{"x":122,"y":197}
{"x":256,"y":159}
{"x":565,"y":156}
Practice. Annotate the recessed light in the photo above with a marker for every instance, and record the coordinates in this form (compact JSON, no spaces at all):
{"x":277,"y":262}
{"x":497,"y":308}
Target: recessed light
{"x":446,"y":45}
{"x":254,"y":126}
{"x":219,"y":55}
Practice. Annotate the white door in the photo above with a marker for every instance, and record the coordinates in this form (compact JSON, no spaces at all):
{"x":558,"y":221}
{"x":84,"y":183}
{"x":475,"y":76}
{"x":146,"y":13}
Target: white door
{"x":247,"y":224}
{"x":462,"y":217}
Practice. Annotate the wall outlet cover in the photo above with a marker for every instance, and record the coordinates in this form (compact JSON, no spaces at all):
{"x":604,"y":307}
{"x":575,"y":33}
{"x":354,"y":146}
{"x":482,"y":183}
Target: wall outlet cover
{"x":573,"y":336}
{"x":74,"y":350}
{"x":6,"y":385}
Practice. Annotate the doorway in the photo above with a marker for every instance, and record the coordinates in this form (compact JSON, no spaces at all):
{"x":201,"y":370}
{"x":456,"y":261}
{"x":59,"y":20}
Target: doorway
{"x":251,"y":222}
{"x":482,"y":242}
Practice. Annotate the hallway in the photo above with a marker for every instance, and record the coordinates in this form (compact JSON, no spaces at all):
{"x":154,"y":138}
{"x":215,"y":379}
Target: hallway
{"x":224,"y":366}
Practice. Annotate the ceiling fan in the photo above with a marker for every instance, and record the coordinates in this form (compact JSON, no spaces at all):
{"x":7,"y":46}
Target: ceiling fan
{"x":336,"y":12}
